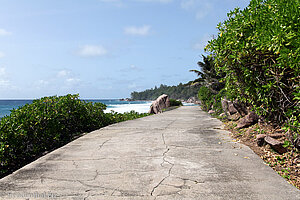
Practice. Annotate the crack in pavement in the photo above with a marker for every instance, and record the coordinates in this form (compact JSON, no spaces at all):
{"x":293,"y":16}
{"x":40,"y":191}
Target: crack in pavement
{"x":97,"y":174}
{"x":192,"y":180}
{"x":74,"y":164}
{"x":169,"y":174}
{"x":86,"y":197}
{"x":110,"y":191}
{"x":101,"y":145}
{"x":164,"y":160}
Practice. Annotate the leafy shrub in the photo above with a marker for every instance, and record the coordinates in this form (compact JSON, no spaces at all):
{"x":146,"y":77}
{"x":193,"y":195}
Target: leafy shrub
{"x":258,"y":49}
{"x":217,"y":101}
{"x":210,"y":100}
{"x":174,"y":102}
{"x":206,"y":98}
{"x":48,"y":123}
{"x":115,"y":117}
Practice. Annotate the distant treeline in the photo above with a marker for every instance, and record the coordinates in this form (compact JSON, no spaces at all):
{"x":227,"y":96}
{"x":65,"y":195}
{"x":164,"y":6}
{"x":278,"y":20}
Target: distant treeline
{"x":181,"y":91}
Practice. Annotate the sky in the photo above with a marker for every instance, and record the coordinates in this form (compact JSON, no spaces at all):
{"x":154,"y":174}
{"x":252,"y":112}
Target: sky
{"x":103,"y":49}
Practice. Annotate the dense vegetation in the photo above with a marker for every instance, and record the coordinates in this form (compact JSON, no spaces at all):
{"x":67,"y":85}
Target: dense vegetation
{"x":254,"y":61}
{"x":181,"y":91}
{"x":174,"y":102}
{"x":208,"y":76}
{"x":49,"y":123}
{"x":257,"y":54}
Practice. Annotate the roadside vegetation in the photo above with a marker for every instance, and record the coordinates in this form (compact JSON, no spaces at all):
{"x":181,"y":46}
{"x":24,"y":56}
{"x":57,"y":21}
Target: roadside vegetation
{"x":174,"y":102}
{"x":48,"y":123}
{"x":254,"y":62}
{"x":181,"y":91}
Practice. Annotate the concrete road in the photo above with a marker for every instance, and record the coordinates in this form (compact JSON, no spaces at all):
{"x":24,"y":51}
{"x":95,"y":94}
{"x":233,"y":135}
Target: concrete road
{"x":180,"y":154}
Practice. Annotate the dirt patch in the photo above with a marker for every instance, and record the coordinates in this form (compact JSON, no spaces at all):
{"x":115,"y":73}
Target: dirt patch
{"x":287,"y":164}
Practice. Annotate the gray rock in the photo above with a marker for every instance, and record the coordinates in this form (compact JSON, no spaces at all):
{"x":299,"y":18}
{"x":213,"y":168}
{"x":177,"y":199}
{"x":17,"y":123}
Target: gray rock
{"x":211,"y":112}
{"x":234,"y":117}
{"x":260,"y":139}
{"x":275,"y":144}
{"x":228,"y":107}
{"x":222,"y":115}
{"x":231,"y":109}
{"x":241,"y":108}
{"x":159,"y":104}
{"x":224,"y":103}
{"x":191,"y":100}
{"x":248,"y":120}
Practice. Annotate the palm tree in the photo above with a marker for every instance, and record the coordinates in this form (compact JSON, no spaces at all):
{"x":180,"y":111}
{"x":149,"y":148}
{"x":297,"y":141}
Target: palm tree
{"x":207,"y":75}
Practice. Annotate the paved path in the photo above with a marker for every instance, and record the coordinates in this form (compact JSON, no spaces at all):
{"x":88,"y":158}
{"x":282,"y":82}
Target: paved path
{"x":180,"y":154}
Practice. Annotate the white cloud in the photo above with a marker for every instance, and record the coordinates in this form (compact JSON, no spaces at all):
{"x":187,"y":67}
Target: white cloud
{"x":63,"y":73}
{"x":117,"y":3}
{"x":187,"y":4}
{"x":67,"y":76}
{"x":133,"y":30}
{"x":63,"y":81}
{"x":92,"y":51}
{"x":4,"y":32}
{"x":200,"y":8}
{"x":156,"y":1}
{"x":4,"y":81}
{"x":203,"y":11}
{"x":120,"y":3}
{"x":2,"y":72}
{"x":43,"y":82}
{"x":133,"y":67}
{"x":2,"y":54}
{"x":72,"y":80}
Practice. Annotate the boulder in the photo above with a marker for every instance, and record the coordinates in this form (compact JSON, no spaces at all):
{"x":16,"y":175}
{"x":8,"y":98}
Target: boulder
{"x":222,"y":115}
{"x":234,"y":117}
{"x":228,"y":107}
{"x":241,"y":108}
{"x":224,"y":103}
{"x":248,"y":120}
{"x":277,"y":135}
{"x":198,"y":102}
{"x":275,"y":144}
{"x":260,"y":139}
{"x":211,"y":112}
{"x":159,"y":104}
{"x":191,"y":100}
{"x":231,"y":109}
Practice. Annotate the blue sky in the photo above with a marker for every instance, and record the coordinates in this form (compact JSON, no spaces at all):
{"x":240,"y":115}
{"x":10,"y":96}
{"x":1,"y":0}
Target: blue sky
{"x":102,"y":48}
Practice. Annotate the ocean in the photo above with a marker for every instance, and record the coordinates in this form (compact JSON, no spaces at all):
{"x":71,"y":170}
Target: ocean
{"x":112,"y":104}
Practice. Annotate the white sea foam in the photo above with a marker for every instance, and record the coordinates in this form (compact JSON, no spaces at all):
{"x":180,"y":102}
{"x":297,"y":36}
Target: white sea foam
{"x":121,"y":108}
{"x":189,"y":104}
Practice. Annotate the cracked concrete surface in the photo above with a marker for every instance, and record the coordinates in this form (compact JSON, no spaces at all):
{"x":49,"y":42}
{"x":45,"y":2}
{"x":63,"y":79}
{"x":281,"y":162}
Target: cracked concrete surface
{"x":180,"y":154}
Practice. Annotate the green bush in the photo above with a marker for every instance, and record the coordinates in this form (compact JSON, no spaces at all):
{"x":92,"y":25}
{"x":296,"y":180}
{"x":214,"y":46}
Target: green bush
{"x":217,"y":101}
{"x":210,"y":100}
{"x":206,"y":98}
{"x":114,"y":117}
{"x":49,"y":123}
{"x":174,"y":102}
{"x":258,"y":49}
